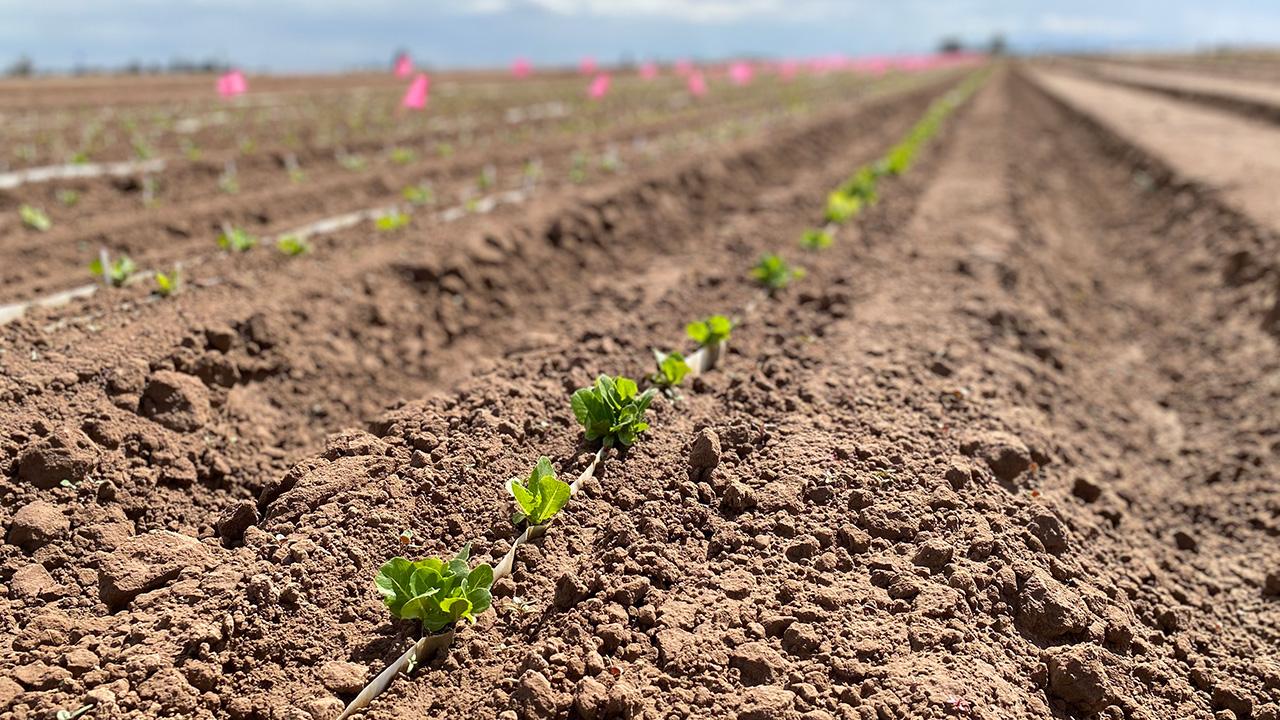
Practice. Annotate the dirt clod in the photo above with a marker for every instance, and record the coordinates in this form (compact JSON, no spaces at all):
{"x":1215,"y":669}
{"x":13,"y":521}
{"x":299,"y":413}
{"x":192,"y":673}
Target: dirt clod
{"x":145,"y":563}
{"x":1005,"y":453}
{"x":177,"y":401}
{"x":37,"y":524}
{"x":343,"y":678}
{"x":63,"y":455}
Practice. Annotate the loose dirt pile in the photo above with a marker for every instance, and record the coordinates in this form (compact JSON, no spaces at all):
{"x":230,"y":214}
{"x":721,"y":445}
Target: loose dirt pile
{"x":1007,"y":451}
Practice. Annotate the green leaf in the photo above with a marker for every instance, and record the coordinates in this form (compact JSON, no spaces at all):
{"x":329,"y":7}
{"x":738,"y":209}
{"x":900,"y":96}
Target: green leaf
{"x":672,"y":369}
{"x":392,"y":582}
{"x":609,"y":406}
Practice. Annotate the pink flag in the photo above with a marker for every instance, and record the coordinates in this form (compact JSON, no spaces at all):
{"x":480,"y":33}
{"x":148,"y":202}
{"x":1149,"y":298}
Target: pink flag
{"x":587,"y":66}
{"x":741,"y":73}
{"x":683,"y":68}
{"x":232,"y":84}
{"x":404,"y":66}
{"x":697,"y":84}
{"x":649,"y":71}
{"x":415,"y":98}
{"x":599,"y":86}
{"x":521,"y":68}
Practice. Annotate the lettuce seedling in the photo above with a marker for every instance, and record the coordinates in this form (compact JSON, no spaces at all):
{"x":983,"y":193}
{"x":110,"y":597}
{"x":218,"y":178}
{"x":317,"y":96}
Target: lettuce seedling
{"x":611,"y":411}
{"x":391,"y":221}
{"x":116,"y":272}
{"x":435,"y":592}
{"x":34,"y":218}
{"x":775,"y":273}
{"x":167,"y":284}
{"x":418,"y":194}
{"x":815,"y":240}
{"x":403,"y":156}
{"x":68,"y":198}
{"x":712,"y":331}
{"x":841,"y":206}
{"x":671,"y":370}
{"x":292,"y":245}
{"x":236,"y":240}
{"x":540,"y":496}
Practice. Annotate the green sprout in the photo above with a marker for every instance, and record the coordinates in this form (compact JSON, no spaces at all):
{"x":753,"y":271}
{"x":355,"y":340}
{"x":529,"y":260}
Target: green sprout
{"x":435,"y":592}
{"x":292,"y":245}
{"x":420,"y":194}
{"x":391,"y":221}
{"x":34,"y":218}
{"x":711,"y":331}
{"x":403,"y":156}
{"x":168,"y":284}
{"x":774,"y":273}
{"x":540,"y":496}
{"x":236,"y":239}
{"x":815,"y":239}
{"x":68,"y":197}
{"x":672,"y":369}
{"x":115,"y":272}
{"x":611,"y":410}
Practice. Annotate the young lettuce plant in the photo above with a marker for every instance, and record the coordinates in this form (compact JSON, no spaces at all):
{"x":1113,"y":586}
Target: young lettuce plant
{"x":815,"y":239}
{"x":34,"y":218}
{"x":418,"y":194}
{"x":236,"y":239}
{"x":540,"y":496}
{"x":435,"y":592}
{"x":391,"y":221}
{"x":672,"y":369}
{"x":775,"y":273}
{"x":611,"y":410}
{"x":292,"y":245}
{"x":168,"y":283}
{"x":115,"y":272}
{"x":709,"y":332}
{"x":841,"y":206}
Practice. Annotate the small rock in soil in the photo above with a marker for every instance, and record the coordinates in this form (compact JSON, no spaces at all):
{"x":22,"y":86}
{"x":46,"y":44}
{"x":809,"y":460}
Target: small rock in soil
{"x":37,"y":524}
{"x":63,"y":455}
{"x":933,"y":553}
{"x":1271,"y":586}
{"x":766,"y":702}
{"x":236,"y":520}
{"x":704,"y":455}
{"x":33,"y":581}
{"x":534,"y":697}
{"x":1050,"y":608}
{"x":1006,"y":455}
{"x":1078,"y":677}
{"x":177,"y":401}
{"x":590,"y":698}
{"x":343,"y":678}
{"x":758,"y":663}
{"x":39,"y":676}
{"x":738,"y":497}
{"x":145,"y":563}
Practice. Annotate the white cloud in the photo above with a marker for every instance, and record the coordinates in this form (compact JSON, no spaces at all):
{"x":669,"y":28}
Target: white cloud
{"x":1087,"y":26}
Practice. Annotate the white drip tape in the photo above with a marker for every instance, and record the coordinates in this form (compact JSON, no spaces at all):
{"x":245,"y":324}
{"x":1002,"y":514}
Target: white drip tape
{"x":324,"y":226}
{"x":86,"y":170}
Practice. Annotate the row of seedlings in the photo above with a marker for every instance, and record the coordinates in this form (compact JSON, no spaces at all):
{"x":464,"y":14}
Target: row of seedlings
{"x":441,"y":593}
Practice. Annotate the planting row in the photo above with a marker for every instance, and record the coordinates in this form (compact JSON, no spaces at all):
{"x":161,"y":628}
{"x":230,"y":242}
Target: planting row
{"x":439,"y":593}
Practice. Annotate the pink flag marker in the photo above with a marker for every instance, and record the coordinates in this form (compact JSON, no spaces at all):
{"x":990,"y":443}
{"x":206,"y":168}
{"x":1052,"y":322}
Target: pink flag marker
{"x":404,"y":66}
{"x":599,"y":86}
{"x":741,"y":73}
{"x":232,"y":84}
{"x":649,"y":71}
{"x":697,"y":84}
{"x":415,"y":98}
{"x":587,"y":65}
{"x":521,"y":68}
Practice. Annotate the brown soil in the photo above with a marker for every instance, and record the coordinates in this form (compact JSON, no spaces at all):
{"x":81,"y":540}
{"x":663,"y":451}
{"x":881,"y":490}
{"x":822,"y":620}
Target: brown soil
{"x":1007,"y":451}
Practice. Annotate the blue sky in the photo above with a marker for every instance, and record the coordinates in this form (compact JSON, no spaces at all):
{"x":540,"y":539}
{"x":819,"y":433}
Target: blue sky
{"x":317,"y":35}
